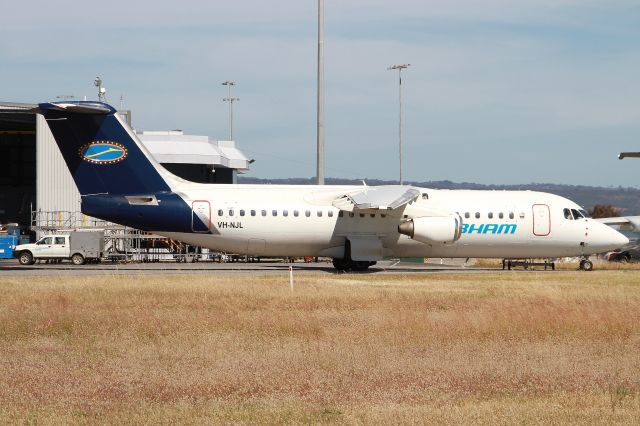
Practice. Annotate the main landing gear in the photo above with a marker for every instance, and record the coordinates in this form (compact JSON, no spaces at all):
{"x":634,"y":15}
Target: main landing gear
{"x":352,"y":265}
{"x":348,"y":264}
{"x":585,"y":265}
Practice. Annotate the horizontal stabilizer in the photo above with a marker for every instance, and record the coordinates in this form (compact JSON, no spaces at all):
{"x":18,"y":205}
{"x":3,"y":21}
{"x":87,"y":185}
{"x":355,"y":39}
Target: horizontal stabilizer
{"x":82,"y":108}
{"x":388,"y":197}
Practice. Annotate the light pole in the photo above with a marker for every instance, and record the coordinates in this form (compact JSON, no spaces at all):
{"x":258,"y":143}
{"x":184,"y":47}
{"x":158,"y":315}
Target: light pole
{"x":320,"y":116}
{"x":102,"y":92}
{"x":231,"y":100}
{"x":400,"y":68}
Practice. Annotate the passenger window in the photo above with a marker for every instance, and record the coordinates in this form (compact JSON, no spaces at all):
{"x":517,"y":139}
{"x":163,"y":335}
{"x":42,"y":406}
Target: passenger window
{"x":477,"y":215}
{"x":466,"y":215}
{"x":361,"y":214}
{"x":241,"y":212}
{"x":383,"y":215}
{"x":522,"y":215}
{"x":490,"y":215}
{"x":307,"y":213}
{"x":351,"y":214}
{"x":274,"y":212}
{"x":220,"y":212}
{"x":264,"y":212}
{"x":340,"y":213}
{"x":501,"y":215}
{"x":285,"y":213}
{"x":253,"y":212}
{"x":319,"y":213}
{"x":330,"y":213}
{"x":372,"y":215}
{"x":230,"y":212}
{"x":295,"y":213}
{"x":511,"y":215}
{"x":59,"y":240}
{"x":425,"y":196}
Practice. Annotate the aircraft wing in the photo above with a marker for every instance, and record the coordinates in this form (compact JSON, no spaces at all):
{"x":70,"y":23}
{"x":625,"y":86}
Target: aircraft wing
{"x":388,"y":197}
{"x":628,"y":154}
{"x":624,"y":223}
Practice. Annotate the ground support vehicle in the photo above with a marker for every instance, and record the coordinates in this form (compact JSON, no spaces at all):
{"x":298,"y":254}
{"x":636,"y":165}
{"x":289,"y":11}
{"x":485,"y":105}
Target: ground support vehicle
{"x":78,"y":247}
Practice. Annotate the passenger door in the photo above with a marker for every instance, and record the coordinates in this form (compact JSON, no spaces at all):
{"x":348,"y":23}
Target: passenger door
{"x":541,"y":220}
{"x":200,"y":216}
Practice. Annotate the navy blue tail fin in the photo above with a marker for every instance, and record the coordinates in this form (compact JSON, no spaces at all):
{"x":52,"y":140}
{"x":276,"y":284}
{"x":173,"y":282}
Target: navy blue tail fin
{"x":103,"y":155}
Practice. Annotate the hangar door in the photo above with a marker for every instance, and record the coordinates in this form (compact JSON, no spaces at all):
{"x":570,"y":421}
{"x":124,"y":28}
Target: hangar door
{"x":17,"y":166}
{"x":541,"y":220}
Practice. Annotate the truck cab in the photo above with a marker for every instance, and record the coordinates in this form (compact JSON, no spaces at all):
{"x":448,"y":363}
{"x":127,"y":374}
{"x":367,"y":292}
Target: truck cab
{"x":52,"y":246}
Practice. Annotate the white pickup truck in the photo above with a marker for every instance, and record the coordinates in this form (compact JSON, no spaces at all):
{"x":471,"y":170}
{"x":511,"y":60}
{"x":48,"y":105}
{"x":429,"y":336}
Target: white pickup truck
{"x":75,"y":246}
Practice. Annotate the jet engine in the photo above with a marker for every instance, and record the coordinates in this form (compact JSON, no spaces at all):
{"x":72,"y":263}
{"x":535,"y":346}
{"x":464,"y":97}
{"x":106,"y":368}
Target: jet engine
{"x":433,"y":229}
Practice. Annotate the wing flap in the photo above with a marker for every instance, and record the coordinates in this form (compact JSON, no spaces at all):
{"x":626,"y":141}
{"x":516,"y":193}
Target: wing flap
{"x":388,"y":197}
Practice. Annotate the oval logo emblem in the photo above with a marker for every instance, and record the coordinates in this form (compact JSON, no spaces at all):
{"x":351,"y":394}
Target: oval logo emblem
{"x":103,"y":152}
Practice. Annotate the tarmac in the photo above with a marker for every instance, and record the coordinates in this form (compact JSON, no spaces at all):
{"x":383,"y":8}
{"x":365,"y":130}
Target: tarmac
{"x":11,"y":268}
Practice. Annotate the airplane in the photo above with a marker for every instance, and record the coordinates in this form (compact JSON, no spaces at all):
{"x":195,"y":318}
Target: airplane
{"x":630,"y":227}
{"x":119,"y":181}
{"x":624,"y":155}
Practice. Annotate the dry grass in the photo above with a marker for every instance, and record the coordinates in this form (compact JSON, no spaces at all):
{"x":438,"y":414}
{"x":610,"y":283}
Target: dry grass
{"x":568,"y":264}
{"x":433,"y":348}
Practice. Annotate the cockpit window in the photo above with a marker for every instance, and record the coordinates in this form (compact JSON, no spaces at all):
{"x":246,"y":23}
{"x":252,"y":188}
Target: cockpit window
{"x":584,"y":213}
{"x":577,"y":214}
{"x":567,"y":214}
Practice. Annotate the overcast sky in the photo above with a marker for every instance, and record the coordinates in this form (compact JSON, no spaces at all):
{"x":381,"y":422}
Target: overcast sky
{"x":499,"y":91}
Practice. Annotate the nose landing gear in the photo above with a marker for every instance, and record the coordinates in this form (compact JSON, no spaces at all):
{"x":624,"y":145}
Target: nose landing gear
{"x":585,"y":265}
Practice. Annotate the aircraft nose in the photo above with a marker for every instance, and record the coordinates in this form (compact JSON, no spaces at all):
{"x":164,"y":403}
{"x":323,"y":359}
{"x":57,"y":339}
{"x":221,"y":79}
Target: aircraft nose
{"x":621,"y":239}
{"x":609,"y":238}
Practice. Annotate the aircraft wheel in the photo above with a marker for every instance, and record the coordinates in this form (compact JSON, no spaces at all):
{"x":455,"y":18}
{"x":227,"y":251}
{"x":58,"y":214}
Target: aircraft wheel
{"x":586,"y":265}
{"x":341,"y":264}
{"x":361,"y":265}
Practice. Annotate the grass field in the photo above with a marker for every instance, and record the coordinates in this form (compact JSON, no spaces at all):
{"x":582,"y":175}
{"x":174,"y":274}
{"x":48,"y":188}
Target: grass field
{"x":489,"y":348}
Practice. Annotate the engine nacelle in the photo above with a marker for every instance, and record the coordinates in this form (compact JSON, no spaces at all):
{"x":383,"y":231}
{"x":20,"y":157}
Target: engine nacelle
{"x":433,"y":229}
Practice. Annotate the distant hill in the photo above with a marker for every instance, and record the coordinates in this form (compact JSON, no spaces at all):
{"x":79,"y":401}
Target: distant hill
{"x":625,"y":199}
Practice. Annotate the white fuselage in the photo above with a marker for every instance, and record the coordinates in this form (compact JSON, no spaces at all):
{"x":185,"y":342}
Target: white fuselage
{"x":278,"y":220}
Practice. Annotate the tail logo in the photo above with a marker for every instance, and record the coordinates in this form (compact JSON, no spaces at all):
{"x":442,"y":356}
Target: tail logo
{"x":103,"y":152}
